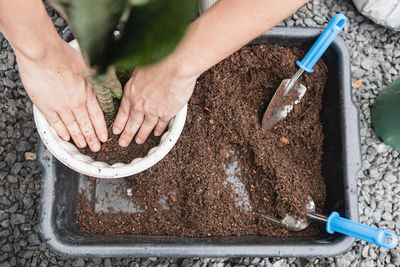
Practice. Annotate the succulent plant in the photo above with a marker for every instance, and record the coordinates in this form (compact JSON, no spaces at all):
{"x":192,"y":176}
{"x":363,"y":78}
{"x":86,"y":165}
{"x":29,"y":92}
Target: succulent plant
{"x":385,"y":115}
{"x":147,"y":31}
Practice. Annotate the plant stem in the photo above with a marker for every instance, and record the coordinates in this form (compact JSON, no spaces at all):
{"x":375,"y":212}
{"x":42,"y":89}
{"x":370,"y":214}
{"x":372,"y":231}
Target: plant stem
{"x":107,"y":87}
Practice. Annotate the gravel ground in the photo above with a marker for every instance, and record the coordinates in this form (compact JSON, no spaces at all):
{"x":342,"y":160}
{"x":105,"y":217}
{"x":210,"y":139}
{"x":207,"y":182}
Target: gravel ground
{"x":375,"y":53}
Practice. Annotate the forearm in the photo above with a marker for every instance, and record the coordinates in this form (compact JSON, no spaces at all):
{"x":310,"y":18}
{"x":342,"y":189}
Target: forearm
{"x":225,"y":27}
{"x":27,"y":27}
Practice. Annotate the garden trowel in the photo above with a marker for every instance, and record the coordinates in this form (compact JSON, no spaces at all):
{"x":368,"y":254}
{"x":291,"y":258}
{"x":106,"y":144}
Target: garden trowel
{"x":290,"y":91}
{"x":335,"y":223}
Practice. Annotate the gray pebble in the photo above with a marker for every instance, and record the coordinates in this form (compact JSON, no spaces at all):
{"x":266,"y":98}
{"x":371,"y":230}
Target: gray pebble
{"x":24,"y":146}
{"x":34,"y":239}
{"x":59,"y":22}
{"x":367,"y":263}
{"x":26,"y":254}
{"x":386,"y":66}
{"x":374,"y":173}
{"x":5,"y":264}
{"x":13,"y":208}
{"x":372,"y":253}
{"x":367,"y":64}
{"x":290,"y":23}
{"x":12,"y":75}
{"x":377,"y":215}
{"x":42,"y":247}
{"x":364,"y":251}
{"x":3,"y":175}
{"x":279,"y":263}
{"x":5,"y":201}
{"x":5,"y":223}
{"x":10,"y":59}
{"x":3,"y":256}
{"x":7,"y":248}
{"x":7,"y":82}
{"x":78,"y":263}
{"x":16,"y":167}
{"x":10,"y":158}
{"x":17,"y":219}
{"x":28,"y":202}
{"x":185,"y":263}
{"x":255,"y":261}
{"x":350,"y":14}
{"x":390,"y":178}
{"x":309,"y":22}
{"x":12,"y":179}
{"x":4,"y":233}
{"x":358,"y":73}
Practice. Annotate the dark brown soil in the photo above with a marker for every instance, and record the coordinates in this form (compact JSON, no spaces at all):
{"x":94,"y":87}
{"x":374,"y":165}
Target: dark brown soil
{"x":111,"y":152}
{"x":279,"y":168}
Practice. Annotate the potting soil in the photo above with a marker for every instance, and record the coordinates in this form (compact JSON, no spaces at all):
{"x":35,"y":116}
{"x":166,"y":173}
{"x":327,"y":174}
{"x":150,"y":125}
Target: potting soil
{"x":191,"y":192}
{"x":111,"y":152}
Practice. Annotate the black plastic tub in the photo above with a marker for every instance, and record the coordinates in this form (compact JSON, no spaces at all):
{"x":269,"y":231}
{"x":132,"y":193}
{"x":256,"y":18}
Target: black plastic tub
{"x":341,"y":161}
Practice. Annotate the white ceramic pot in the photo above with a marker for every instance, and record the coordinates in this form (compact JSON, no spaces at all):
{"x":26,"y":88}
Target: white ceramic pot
{"x":69,"y":154}
{"x":206,"y":4}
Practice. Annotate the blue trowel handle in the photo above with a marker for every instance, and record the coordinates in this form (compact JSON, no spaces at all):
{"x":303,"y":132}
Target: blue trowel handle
{"x":324,"y":41}
{"x":380,"y":237}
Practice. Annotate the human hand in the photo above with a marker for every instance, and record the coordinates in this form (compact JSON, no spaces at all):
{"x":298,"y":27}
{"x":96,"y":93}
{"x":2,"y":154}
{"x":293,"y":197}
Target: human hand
{"x":57,"y":84}
{"x":152,"y":97}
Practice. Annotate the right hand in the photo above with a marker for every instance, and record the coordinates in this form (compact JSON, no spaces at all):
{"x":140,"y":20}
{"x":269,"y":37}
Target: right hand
{"x":57,"y":84}
{"x":152,"y":97}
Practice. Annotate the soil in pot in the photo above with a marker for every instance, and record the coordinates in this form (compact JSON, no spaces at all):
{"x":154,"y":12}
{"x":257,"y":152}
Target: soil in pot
{"x":278,"y":168}
{"x":111,"y":152}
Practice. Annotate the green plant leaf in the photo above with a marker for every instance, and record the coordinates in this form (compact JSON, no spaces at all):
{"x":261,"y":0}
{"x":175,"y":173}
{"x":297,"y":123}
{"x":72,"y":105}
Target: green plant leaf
{"x":149,"y":29}
{"x":151,"y":32}
{"x":93,"y":23}
{"x":385,"y":115}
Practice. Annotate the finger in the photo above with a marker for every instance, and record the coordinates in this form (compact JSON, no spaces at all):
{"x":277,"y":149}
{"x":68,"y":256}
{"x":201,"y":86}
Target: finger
{"x":82,"y":117}
{"x":97,"y":118}
{"x":69,"y":121}
{"x":57,"y":124}
{"x":147,"y":126}
{"x":131,"y":128}
{"x":123,"y":113}
{"x":160,"y":127}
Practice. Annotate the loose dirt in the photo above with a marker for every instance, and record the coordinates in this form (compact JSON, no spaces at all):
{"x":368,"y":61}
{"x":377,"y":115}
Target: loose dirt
{"x":279,"y":168}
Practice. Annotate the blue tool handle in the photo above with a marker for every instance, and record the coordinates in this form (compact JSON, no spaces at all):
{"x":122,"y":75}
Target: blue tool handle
{"x":380,"y":237}
{"x":323,"y":42}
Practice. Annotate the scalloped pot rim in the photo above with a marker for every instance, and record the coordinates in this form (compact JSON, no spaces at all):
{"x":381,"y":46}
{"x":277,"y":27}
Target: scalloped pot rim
{"x":70,"y":156}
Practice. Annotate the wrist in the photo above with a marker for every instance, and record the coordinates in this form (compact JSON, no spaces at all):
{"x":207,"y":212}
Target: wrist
{"x":28,"y":28}
{"x":38,"y":49}
{"x":194,"y":55}
{"x":182,"y":68}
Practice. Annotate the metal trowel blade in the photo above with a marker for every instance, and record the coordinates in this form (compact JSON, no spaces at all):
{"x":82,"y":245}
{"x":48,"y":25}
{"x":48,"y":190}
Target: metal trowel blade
{"x":282,"y":103}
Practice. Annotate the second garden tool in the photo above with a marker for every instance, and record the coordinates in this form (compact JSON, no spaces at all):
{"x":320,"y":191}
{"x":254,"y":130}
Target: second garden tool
{"x":290,"y":91}
{"x":335,"y":223}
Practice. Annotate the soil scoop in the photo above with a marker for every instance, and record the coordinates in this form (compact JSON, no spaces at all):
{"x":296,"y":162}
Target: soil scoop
{"x":288,"y":94}
{"x":336,"y":223}
{"x":290,"y":91}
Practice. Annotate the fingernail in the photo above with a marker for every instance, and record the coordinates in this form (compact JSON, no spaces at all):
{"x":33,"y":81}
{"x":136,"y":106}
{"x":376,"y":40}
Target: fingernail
{"x":103,"y":137}
{"x":123,"y":143}
{"x":156,"y":133}
{"x":96,"y":147}
{"x":66,"y":138}
{"x":138,"y":141}
{"x":116,"y":130}
{"x":82,"y":143}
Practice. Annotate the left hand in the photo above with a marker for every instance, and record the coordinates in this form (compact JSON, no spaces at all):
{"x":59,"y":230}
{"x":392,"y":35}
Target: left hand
{"x":152,"y":97}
